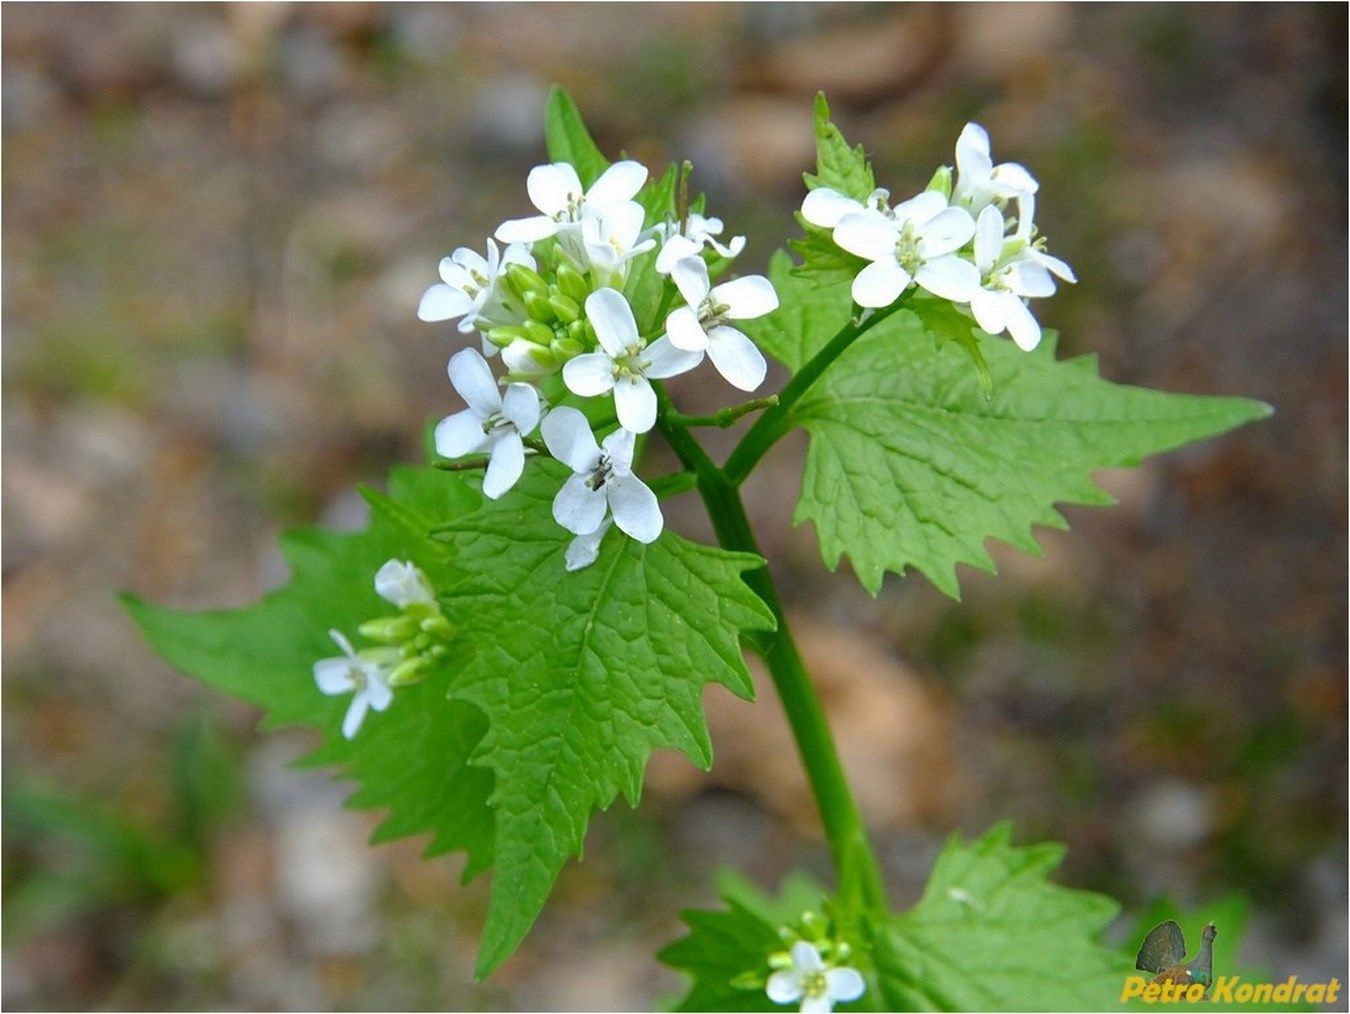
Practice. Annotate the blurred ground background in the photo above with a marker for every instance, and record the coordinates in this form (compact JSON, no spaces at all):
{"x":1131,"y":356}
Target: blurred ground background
{"x":217,"y":223}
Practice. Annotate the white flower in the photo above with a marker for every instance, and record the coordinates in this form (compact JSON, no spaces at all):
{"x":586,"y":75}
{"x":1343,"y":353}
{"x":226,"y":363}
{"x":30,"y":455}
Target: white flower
{"x":918,"y":245}
{"x":826,"y":207}
{"x":817,"y":987}
{"x":624,"y":363}
{"x":698,"y":231}
{"x":400,"y":583}
{"x":1034,"y":249}
{"x":556,"y":191}
{"x":470,"y":287}
{"x":1010,"y":273}
{"x":978,"y":181}
{"x":491,"y":422}
{"x":352,"y":673}
{"x":604,"y":481}
{"x":613,"y":238}
{"x":582,"y":550}
{"x":702,"y":324}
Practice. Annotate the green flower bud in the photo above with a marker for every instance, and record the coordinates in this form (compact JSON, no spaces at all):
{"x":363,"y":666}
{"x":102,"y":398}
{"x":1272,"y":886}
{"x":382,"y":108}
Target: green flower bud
{"x":540,"y":334}
{"x":748,"y":980}
{"x":414,"y":670}
{"x":781,"y":959}
{"x":388,"y":629}
{"x":523,"y":280}
{"x":579,"y":331}
{"x":504,"y":336}
{"x":539,"y":307}
{"x":942,"y":181}
{"x":566,"y":348}
{"x":438,"y":626}
{"x":572,"y":284}
{"x":566,"y":309}
{"x":815,"y":924}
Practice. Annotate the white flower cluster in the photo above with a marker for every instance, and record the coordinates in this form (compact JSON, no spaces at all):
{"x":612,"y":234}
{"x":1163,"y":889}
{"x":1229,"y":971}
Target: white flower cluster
{"x":811,"y":983}
{"x":972,"y":241}
{"x":552,"y":302}
{"x":407,"y":646}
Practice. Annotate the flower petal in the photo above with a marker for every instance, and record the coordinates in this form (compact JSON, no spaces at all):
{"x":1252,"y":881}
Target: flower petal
{"x":471,"y":376}
{"x":988,"y":238}
{"x":805,"y":957}
{"x":784,"y":986}
{"x":921,"y":207}
{"x":948,"y":230}
{"x":378,"y":692}
{"x":747,"y":298}
{"x":618,"y":447}
{"x":331,"y":675}
{"x":868,"y":234}
{"x":612,"y":318}
{"x":552,"y":188}
{"x":1022,"y":326}
{"x":844,"y":984}
{"x":737,"y":358}
{"x":684,"y":330}
{"x":619,"y":183}
{"x":523,"y":357}
{"x":1030,"y":278}
{"x":635,"y":507}
{"x":589,"y":374}
{"x":817,"y":1005}
{"x":460,"y":434}
{"x":635,"y":403}
{"x":356,"y":713}
{"x":674,"y":250}
{"x":577,"y":507}
{"x":1055,"y":265}
{"x":568,"y":437}
{"x":623,"y":224}
{"x":526,"y":230}
{"x":972,"y":152}
{"x":1012,"y":179}
{"x":441,"y":302}
{"x":399,"y":583}
{"x":517,"y":253}
{"x":949,"y":277}
{"x":690,"y":276}
{"x":582,"y":551}
{"x":826,"y":208}
{"x":662,"y":358}
{"x":505,"y":465}
{"x":520,"y":406}
{"x":880,"y":283}
{"x":471,"y":262}
{"x":987,"y":308}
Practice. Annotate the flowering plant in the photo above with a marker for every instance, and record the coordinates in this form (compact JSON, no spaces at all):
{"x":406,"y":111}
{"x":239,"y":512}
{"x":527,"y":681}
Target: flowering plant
{"x":551,"y":631}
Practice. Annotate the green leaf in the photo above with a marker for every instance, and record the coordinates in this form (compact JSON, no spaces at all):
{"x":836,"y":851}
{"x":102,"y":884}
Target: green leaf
{"x":838,"y":166}
{"x":582,"y":675}
{"x":993,"y":933}
{"x":945,"y":323}
{"x":911,"y":465}
{"x":568,"y":140}
{"x":726,"y":947}
{"x":412,"y":758}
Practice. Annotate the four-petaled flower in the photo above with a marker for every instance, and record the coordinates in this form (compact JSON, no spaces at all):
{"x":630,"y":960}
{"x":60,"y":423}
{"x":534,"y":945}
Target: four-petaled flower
{"x":687,"y":239}
{"x":557,"y":192}
{"x":400,"y":583}
{"x":470,"y":288}
{"x":702,"y":324}
{"x":604,"y":481}
{"x":624,"y":362}
{"x":613,"y":238}
{"x":812,"y":983}
{"x":916,"y":243}
{"x":978,"y":181}
{"x":366,"y":680}
{"x":492,"y":422}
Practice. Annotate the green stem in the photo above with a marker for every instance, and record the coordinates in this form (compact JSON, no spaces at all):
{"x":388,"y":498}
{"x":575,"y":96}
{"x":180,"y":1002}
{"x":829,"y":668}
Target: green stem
{"x":771,"y":426}
{"x":724,"y":417}
{"x":859,"y":875}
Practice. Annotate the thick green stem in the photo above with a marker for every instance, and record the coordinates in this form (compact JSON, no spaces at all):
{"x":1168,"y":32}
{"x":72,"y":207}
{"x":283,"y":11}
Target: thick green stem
{"x":769,"y":427}
{"x":859,"y":875}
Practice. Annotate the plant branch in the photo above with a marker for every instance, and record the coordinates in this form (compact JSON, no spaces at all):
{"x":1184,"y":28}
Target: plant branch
{"x":855,"y":863}
{"x":769,"y":427}
{"x":482,"y":460}
{"x":725,"y":417}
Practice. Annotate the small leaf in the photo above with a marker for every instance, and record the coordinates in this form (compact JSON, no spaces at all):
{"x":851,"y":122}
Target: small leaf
{"x":838,"y":166}
{"x":568,"y":140}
